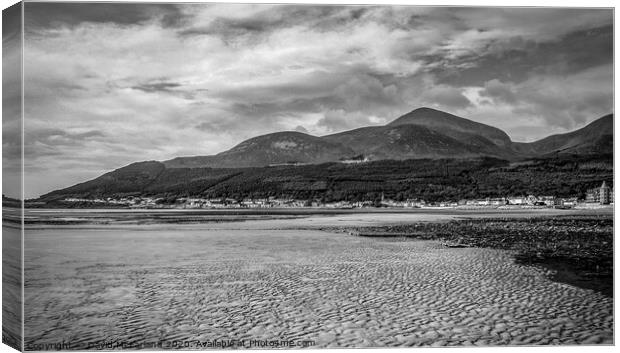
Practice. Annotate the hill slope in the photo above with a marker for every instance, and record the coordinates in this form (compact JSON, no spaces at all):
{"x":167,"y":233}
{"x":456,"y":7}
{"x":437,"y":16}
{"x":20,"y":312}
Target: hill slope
{"x":596,"y":137}
{"x":451,"y":125}
{"x":429,"y":179}
{"x":128,"y":179}
{"x":414,"y":141}
{"x":276,"y":148}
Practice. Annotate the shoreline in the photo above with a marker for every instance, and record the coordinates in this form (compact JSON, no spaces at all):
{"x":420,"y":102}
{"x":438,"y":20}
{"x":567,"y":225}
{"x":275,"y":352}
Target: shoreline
{"x":594,"y":208}
{"x":574,"y":249}
{"x":111,"y":217}
{"x":329,"y":287}
{"x":571,"y":252}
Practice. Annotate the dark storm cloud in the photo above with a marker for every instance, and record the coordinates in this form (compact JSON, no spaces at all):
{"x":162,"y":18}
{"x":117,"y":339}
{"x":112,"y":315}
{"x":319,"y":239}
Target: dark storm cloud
{"x":170,"y":88}
{"x":40,"y":15}
{"x":354,"y":87}
{"x":157,"y":87}
{"x":351,"y":91}
{"x":516,"y":59}
{"x":277,"y":18}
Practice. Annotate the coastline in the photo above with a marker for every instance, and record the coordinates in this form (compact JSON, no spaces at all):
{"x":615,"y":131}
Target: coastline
{"x":569,"y":263}
{"x":84,"y":215}
{"x":574,"y":249}
{"x":354,"y":291}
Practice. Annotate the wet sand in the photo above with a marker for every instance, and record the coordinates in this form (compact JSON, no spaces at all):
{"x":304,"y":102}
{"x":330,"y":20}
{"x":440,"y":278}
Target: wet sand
{"x":286,"y":280}
{"x":115,"y":217}
{"x":11,"y":286}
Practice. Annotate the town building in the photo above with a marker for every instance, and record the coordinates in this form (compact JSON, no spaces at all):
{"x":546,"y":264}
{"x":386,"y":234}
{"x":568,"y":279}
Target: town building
{"x":547,"y":200}
{"x":602,"y":195}
{"x":516,"y":200}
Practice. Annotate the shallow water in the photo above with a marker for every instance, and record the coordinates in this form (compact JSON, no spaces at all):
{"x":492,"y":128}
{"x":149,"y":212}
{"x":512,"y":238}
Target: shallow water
{"x":286,"y":280}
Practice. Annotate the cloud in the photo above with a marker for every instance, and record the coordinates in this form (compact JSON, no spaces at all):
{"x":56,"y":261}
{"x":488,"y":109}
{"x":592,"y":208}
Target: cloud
{"x":157,"y":87}
{"x":517,"y":58}
{"x":446,"y":97}
{"x":48,"y":15}
{"x":499,"y":91}
{"x":58,"y":137}
{"x":557,"y":103}
{"x":300,"y":128}
{"x":11,"y":102}
{"x":155,"y":81}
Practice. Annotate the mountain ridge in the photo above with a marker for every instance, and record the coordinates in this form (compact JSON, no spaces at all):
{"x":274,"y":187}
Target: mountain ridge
{"x":421,"y":133}
{"x":413,"y":136}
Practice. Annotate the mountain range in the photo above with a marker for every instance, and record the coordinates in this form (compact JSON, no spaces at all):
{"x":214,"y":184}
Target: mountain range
{"x":424,"y":133}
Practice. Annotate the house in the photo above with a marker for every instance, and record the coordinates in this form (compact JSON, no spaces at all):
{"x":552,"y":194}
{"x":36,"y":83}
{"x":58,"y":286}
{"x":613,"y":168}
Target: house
{"x":516,"y":200}
{"x":547,"y":200}
{"x":498,"y":201}
{"x":602,"y":195}
{"x":414,"y":203}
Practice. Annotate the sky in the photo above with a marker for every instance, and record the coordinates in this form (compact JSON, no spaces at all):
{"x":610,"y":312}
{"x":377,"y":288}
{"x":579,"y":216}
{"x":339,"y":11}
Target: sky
{"x":110,"y":84}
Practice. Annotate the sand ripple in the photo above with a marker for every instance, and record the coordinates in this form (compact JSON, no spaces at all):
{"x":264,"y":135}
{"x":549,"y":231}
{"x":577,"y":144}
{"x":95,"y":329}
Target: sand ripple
{"x":333,"y":289}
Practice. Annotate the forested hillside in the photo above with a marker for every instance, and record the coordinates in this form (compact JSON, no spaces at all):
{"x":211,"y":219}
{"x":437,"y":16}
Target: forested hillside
{"x":428,"y":179}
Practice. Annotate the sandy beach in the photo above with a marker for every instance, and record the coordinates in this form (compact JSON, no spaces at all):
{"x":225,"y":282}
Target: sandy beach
{"x":11,"y":286}
{"x":282,"y":280}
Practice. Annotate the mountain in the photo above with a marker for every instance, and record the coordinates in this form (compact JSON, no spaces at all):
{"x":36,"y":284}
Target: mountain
{"x":414,"y":141}
{"x":452,"y":125}
{"x":596,"y":137}
{"x":265,"y":162}
{"x":276,"y":148}
{"x":422,"y":133}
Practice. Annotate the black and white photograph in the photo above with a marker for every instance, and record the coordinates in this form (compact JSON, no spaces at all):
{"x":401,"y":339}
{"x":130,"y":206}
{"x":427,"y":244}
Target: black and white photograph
{"x":215,"y":176}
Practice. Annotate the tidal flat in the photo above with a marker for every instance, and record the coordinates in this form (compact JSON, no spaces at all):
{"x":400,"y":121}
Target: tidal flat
{"x":299,"y":279}
{"x":11,"y":287}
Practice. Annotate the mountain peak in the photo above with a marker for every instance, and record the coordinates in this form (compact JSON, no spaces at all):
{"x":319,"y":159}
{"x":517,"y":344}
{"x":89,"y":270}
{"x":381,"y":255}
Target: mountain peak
{"x":426,"y":110}
{"x":442,"y":121}
{"x":422,"y":113}
{"x":278,"y":140}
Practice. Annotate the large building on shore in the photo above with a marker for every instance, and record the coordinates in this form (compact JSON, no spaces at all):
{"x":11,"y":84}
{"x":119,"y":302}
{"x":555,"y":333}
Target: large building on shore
{"x":603,"y":195}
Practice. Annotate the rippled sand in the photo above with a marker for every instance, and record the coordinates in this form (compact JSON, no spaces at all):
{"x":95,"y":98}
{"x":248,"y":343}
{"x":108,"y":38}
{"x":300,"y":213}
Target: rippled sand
{"x":261,"y":281}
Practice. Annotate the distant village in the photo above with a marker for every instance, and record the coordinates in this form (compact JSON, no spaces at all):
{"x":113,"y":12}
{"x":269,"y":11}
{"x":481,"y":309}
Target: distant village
{"x":596,"y":197}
